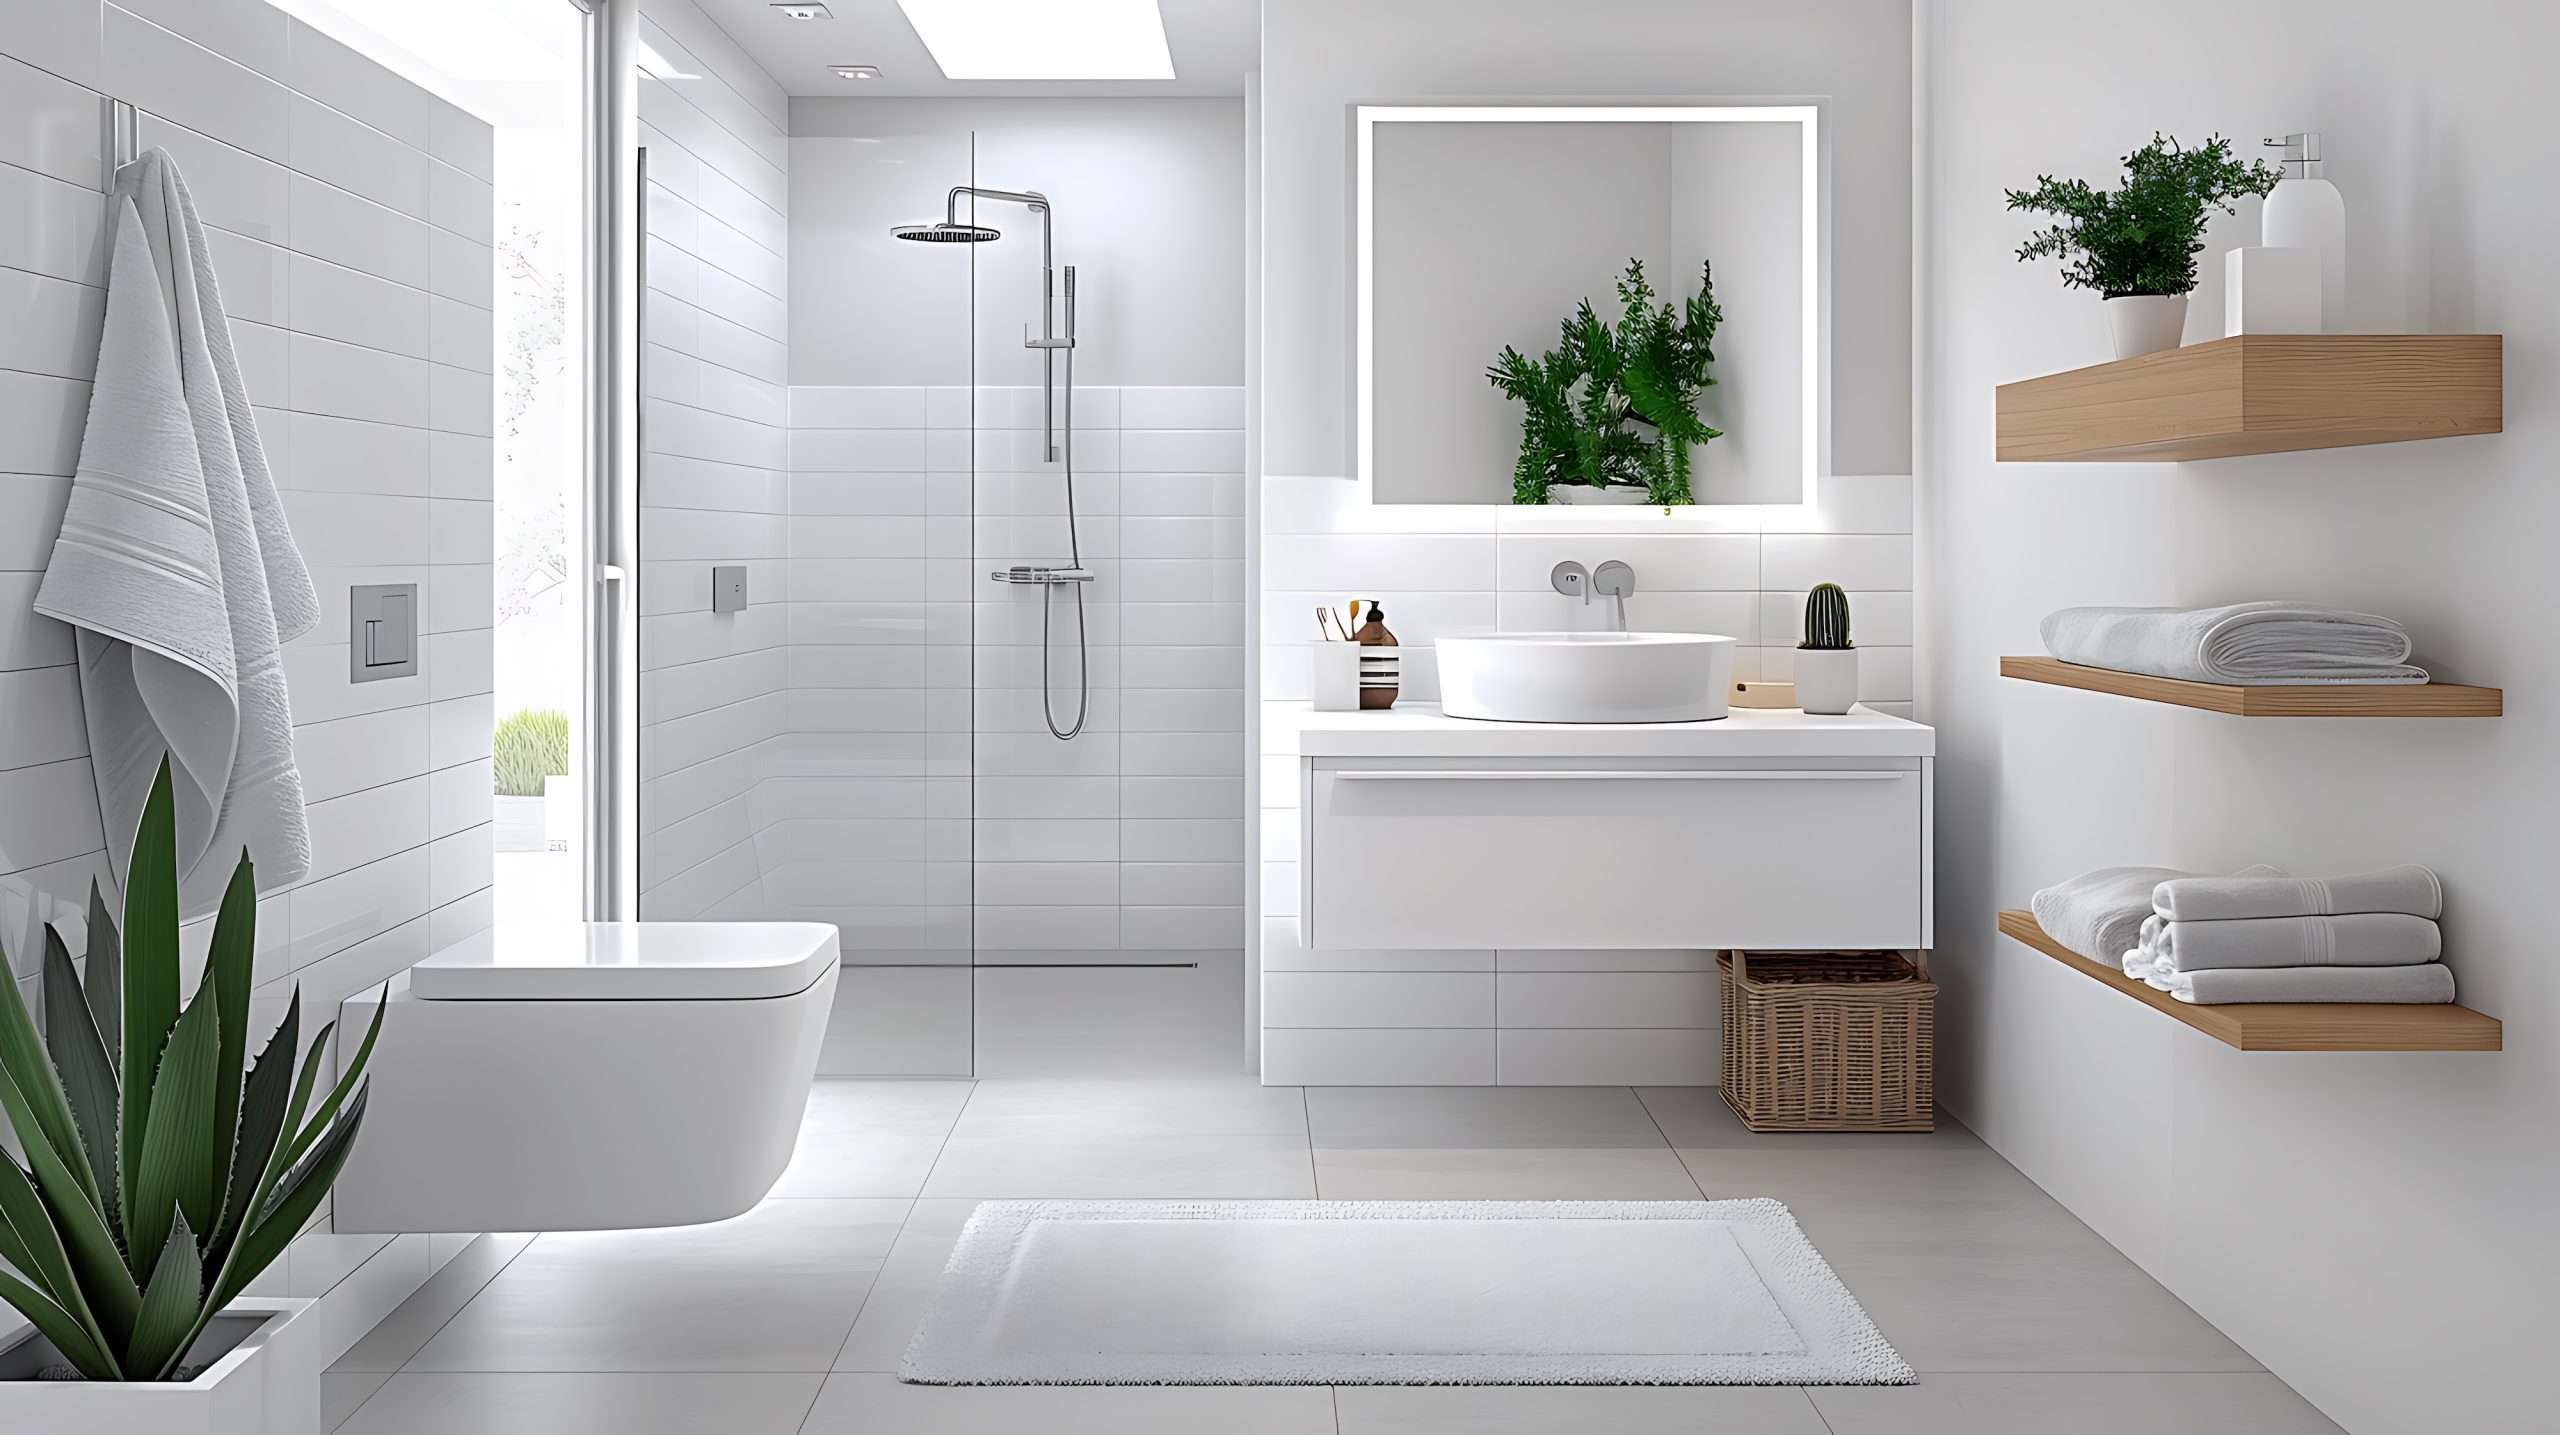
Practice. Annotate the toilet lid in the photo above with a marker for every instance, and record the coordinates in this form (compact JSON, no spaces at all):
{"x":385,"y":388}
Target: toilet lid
{"x":634,"y":961}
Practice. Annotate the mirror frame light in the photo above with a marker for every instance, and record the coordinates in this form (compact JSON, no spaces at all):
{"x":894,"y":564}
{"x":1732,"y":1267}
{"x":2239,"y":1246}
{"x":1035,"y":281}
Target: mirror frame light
{"x":1817,"y":285}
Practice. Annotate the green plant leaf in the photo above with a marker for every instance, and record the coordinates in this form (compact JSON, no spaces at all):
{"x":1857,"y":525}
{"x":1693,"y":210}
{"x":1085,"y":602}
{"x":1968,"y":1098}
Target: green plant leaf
{"x":57,"y":1325}
{"x":262,"y":1107}
{"x":295,"y":1198}
{"x":171,"y":1306}
{"x":150,"y":977}
{"x":105,"y":980}
{"x":28,"y":1241}
{"x":46,"y":1117}
{"x":80,"y":1059}
{"x":181,"y":1157}
{"x":230,"y":972}
{"x":97,"y":1263}
{"x":346,"y":1083}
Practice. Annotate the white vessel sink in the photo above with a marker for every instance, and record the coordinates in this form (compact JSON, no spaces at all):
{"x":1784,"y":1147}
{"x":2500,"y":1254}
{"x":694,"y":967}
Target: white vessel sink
{"x":1586,"y":677}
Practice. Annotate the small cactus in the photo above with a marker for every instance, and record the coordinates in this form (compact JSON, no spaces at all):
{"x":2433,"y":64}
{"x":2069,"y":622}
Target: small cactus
{"x":1826,"y":618}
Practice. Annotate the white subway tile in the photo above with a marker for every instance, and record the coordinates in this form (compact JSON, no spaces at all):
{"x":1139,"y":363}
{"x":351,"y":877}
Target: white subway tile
{"x":1854,"y":561}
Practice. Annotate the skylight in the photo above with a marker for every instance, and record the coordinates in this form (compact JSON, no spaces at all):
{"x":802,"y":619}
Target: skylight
{"x":1043,"y":39}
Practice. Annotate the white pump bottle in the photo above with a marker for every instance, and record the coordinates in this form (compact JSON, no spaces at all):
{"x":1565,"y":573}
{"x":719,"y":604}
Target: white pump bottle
{"x":2304,"y":211}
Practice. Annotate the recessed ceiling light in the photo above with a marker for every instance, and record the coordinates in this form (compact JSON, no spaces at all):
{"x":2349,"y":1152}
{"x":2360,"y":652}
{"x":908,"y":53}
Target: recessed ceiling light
{"x":804,"y":10}
{"x":1043,"y":39}
{"x":854,"y":72}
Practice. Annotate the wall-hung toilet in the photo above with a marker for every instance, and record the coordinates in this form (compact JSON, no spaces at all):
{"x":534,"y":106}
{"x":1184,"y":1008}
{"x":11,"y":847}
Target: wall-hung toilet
{"x":570,"y":1076}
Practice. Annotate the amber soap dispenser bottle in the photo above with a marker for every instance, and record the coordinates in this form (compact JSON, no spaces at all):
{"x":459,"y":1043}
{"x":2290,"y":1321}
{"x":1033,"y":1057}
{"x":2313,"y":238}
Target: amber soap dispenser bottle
{"x":1380,"y":665}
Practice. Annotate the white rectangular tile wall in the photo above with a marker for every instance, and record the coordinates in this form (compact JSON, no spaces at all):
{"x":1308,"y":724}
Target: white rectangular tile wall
{"x":1478,"y":1017}
{"x":713,"y":706}
{"x":1123,"y":844}
{"x":350,"y":219}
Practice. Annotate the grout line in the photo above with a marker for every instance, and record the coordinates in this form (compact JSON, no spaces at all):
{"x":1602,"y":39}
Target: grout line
{"x":1667,"y":1143}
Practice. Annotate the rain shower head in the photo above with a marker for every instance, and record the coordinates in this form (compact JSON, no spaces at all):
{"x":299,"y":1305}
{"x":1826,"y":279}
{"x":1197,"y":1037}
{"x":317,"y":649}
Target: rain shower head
{"x":945,"y":233}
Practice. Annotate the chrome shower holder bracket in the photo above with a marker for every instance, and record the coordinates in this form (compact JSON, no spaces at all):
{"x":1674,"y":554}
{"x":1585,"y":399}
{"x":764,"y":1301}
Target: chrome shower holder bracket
{"x":1041,"y":576}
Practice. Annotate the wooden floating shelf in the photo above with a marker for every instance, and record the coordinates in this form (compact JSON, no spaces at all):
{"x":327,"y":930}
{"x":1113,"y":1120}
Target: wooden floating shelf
{"x":2315,"y":700}
{"x":2256,"y":393}
{"x":2288,"y":1026}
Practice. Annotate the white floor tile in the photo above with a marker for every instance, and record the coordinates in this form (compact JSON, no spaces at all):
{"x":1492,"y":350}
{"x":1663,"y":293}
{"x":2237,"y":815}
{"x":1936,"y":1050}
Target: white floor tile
{"x":634,"y":1404}
{"x":1459,"y":1112}
{"x":1966,"y":1265}
{"x":1574,"y":1410}
{"x":1023,"y":1162}
{"x":774,"y":1290}
{"x":1387,"y":1168}
{"x":879,"y":1405}
{"x":1698,"y":1116}
{"x":905,"y":1287}
{"x":871,"y":1138}
{"x":2082,"y":1404}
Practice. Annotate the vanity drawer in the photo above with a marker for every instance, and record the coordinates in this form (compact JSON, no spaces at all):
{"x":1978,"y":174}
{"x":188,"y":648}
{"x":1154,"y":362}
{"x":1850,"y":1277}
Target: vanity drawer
{"x":1777,"y":855}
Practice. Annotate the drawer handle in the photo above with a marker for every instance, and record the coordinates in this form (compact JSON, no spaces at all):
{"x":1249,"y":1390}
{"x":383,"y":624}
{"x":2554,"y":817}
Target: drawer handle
{"x":1513,"y":774}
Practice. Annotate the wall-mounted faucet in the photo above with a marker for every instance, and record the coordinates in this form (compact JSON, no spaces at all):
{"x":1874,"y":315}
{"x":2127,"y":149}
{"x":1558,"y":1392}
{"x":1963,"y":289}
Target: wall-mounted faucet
{"x":1613,"y":580}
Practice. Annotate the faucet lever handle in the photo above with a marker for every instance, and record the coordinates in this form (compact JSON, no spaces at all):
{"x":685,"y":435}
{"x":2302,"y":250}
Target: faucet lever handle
{"x":1572,"y":580}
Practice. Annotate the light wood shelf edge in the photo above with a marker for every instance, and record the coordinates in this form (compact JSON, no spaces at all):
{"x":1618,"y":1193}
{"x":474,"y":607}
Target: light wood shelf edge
{"x":2256,"y":393}
{"x":2287,"y":1026}
{"x":2445,"y":700}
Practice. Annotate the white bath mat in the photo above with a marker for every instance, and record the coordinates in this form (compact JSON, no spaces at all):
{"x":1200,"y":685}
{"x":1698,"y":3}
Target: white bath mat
{"x":1393,"y":1293}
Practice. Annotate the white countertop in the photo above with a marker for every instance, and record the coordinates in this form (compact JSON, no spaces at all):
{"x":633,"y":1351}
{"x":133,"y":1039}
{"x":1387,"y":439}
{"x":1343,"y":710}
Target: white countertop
{"x":1422,"y":730}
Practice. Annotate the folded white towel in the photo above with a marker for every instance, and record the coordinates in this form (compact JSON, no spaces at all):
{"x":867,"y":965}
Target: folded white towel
{"x":176,"y":567}
{"x":2359,"y":939}
{"x":2099,"y":914}
{"x":2410,"y":888}
{"x":2269,"y":644}
{"x":2428,"y":984}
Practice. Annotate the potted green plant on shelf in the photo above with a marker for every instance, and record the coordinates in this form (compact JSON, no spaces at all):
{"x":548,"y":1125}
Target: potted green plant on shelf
{"x":2137,"y":245}
{"x":1611,"y":413}
{"x":163,"y":1172}
{"x":1826,"y":661}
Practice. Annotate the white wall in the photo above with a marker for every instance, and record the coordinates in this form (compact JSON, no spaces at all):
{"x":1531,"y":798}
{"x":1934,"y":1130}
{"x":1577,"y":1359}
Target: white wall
{"x":1320,"y":57}
{"x":350,"y":216}
{"x":2375,"y":1228}
{"x":1149,"y":207}
{"x":711,"y":479}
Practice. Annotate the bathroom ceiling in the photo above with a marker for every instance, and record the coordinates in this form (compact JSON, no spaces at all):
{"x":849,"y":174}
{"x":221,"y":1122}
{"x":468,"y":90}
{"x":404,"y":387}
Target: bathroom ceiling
{"x":1213,"y":42}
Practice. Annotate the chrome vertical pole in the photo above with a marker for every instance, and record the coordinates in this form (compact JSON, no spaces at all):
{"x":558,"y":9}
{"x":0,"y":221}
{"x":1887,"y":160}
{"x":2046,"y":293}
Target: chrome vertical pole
{"x":615,"y":193}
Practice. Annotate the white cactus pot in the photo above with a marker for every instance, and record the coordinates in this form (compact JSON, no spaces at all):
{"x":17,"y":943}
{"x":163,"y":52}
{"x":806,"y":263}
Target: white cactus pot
{"x":1826,"y":679}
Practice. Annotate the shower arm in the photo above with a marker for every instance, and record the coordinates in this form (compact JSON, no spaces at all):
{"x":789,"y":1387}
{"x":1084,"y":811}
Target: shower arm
{"x":1049,"y":342}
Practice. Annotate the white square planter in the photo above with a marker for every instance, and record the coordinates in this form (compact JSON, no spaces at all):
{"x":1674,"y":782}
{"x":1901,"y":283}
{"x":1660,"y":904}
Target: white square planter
{"x":262,"y":1382}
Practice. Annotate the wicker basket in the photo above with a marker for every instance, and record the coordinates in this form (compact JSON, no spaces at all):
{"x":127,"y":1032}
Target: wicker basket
{"x":1829,"y":1041}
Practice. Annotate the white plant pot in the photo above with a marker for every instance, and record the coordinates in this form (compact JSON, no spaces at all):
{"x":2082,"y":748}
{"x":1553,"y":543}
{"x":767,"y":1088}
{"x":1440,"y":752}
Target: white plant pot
{"x":262,"y":1382}
{"x":563,"y":813}
{"x":1615,"y":496}
{"x":1826,"y":679}
{"x":2147,"y":323}
{"x":516,"y":824}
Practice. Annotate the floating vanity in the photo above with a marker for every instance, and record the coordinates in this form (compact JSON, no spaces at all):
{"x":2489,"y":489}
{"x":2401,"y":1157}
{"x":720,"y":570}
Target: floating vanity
{"x":1540,"y":904}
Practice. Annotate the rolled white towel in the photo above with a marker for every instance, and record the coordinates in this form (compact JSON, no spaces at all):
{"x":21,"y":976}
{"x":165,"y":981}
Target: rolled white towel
{"x":2361,"y":939}
{"x":2408,"y":888}
{"x":2139,"y":960}
{"x":2099,"y":914}
{"x":2267,"y":644}
{"x":2426,"y":984}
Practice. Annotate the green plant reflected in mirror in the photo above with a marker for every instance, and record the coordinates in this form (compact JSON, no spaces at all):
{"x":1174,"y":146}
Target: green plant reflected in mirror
{"x":1616,"y":406}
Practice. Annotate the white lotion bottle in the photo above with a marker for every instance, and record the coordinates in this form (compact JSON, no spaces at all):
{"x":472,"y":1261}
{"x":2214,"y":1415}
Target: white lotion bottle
{"x":2304,"y":211}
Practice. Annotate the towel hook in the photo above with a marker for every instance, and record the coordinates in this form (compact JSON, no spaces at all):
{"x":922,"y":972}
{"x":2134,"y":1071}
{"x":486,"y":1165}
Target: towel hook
{"x":123,"y":138}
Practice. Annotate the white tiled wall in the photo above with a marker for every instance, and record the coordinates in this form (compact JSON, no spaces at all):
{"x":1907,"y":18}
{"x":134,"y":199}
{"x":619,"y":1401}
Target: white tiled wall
{"x":713,"y":708}
{"x":349,"y":215}
{"x":1741,"y":571}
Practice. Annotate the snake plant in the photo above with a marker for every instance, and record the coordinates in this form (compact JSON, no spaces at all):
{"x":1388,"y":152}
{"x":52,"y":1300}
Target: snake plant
{"x":163,"y":1171}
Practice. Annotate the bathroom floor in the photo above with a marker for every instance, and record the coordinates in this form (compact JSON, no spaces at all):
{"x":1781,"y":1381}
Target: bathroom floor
{"x":790,"y":1320}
